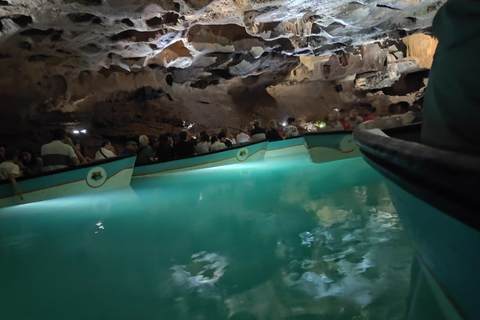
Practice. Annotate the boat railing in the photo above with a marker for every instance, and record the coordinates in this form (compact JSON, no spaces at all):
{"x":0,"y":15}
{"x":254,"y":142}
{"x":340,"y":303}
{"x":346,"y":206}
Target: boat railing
{"x":437,"y":176}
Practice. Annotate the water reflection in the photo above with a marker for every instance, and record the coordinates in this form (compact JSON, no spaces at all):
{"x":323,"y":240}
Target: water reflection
{"x":282,"y":240}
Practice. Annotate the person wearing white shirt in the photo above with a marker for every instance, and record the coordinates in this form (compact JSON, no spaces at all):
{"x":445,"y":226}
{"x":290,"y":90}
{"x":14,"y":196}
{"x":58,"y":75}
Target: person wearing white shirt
{"x":57,"y":154}
{"x":106,"y":151}
{"x":217,"y":144}
{"x":243,"y":135}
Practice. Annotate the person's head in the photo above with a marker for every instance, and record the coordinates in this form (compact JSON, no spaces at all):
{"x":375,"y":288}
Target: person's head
{"x":353,"y":113}
{"x":225,"y":130}
{"x":183,"y":136}
{"x":11,"y":154}
{"x":332,"y":117}
{"x":290,"y":120}
{"x":163,"y":138}
{"x":244,"y":128}
{"x":2,"y":149}
{"x":132,"y":145}
{"x":27,"y":156}
{"x":204,"y":137}
{"x":367,"y":108}
{"x":256,"y":124}
{"x":272,"y":124}
{"x":222,"y":137}
{"x":155,"y":143}
{"x":143,"y":140}
{"x":106,"y":144}
{"x":213,"y":139}
{"x":58,"y":134}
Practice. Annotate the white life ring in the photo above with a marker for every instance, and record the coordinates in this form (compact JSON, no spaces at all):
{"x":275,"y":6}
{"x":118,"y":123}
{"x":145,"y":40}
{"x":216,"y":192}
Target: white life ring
{"x":96,"y":177}
{"x":242,"y":154}
{"x":347,"y":144}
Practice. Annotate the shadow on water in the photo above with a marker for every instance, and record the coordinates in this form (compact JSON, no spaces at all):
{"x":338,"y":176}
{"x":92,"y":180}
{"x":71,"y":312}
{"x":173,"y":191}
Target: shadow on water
{"x":277,"y":240}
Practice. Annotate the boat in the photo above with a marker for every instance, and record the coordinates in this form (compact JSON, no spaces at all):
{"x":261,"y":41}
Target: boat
{"x":288,"y":147}
{"x":331,"y":146}
{"x":102,"y":175}
{"x":323,"y":147}
{"x":435,"y":194}
{"x":240,"y":153}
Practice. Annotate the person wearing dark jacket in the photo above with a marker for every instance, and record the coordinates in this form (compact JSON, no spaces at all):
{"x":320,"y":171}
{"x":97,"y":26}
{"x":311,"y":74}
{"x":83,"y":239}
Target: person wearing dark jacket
{"x":184,"y":148}
{"x":272,"y":131}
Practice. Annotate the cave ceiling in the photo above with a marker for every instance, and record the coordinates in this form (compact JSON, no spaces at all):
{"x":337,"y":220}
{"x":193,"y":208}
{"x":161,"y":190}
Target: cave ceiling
{"x":193,"y":42}
{"x":228,"y":38}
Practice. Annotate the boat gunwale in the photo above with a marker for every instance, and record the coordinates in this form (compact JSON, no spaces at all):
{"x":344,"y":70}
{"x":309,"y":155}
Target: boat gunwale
{"x":443,"y":179}
{"x":71,"y":168}
{"x":67,"y":183}
{"x":236,"y":146}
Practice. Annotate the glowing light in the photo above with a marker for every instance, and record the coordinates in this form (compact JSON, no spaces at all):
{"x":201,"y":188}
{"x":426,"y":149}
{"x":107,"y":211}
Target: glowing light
{"x":83,"y":131}
{"x":76,"y":132}
{"x":336,"y":110}
{"x":284,"y":124}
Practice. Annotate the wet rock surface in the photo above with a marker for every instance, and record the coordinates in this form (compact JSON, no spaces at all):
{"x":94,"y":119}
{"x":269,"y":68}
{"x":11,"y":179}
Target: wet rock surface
{"x":211,"y":63}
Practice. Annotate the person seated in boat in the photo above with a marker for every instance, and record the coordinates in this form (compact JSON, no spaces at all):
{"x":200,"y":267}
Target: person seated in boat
{"x":130,"y":149}
{"x":217,"y":143}
{"x":332,"y":123}
{"x":105,"y":151}
{"x":203,"y":146}
{"x":230,"y":138}
{"x":184,"y":148}
{"x":9,"y":170}
{"x":58,"y":154}
{"x":2,"y":152}
{"x":191,"y":140}
{"x":258,"y":133}
{"x":272,"y":133}
{"x":368,"y":111}
{"x":353,"y":119}
{"x":80,"y":152}
{"x":290,"y":130}
{"x":154,"y":143}
{"x":165,"y":150}
{"x":144,"y":152}
{"x":342,"y":118}
{"x":243,"y":135}
{"x":29,"y":163}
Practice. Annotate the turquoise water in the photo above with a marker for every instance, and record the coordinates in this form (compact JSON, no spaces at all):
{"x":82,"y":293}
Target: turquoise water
{"x":276,"y":240}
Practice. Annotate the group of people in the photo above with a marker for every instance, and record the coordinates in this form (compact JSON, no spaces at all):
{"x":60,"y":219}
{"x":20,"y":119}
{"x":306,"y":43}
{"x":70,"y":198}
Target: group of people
{"x":165,"y":148}
{"x":336,"y":121}
{"x":62,"y":152}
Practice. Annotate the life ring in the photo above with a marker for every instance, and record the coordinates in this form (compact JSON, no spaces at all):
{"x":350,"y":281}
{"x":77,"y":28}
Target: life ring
{"x":347,"y":144}
{"x":96,"y":177}
{"x":242,"y":154}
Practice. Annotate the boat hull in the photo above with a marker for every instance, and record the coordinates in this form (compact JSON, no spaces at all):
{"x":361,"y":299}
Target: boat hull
{"x":246,"y":153}
{"x":433,"y":193}
{"x":288,"y":147}
{"x":326,"y":147}
{"x":104,"y":175}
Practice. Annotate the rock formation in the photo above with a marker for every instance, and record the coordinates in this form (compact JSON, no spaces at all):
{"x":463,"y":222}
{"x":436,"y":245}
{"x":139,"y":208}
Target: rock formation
{"x":124,"y":67}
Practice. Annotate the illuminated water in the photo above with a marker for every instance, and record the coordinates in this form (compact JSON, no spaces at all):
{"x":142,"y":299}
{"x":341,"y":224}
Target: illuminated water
{"x":281,"y":240}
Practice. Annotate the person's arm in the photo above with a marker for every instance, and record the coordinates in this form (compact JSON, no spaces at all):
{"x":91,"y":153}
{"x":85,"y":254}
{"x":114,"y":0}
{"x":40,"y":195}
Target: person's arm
{"x":80,"y":157}
{"x":16,"y":190}
{"x":73,"y":156}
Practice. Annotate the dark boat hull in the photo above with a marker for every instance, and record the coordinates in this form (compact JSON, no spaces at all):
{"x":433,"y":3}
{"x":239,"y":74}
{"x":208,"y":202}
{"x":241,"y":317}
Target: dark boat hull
{"x":432,"y":191}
